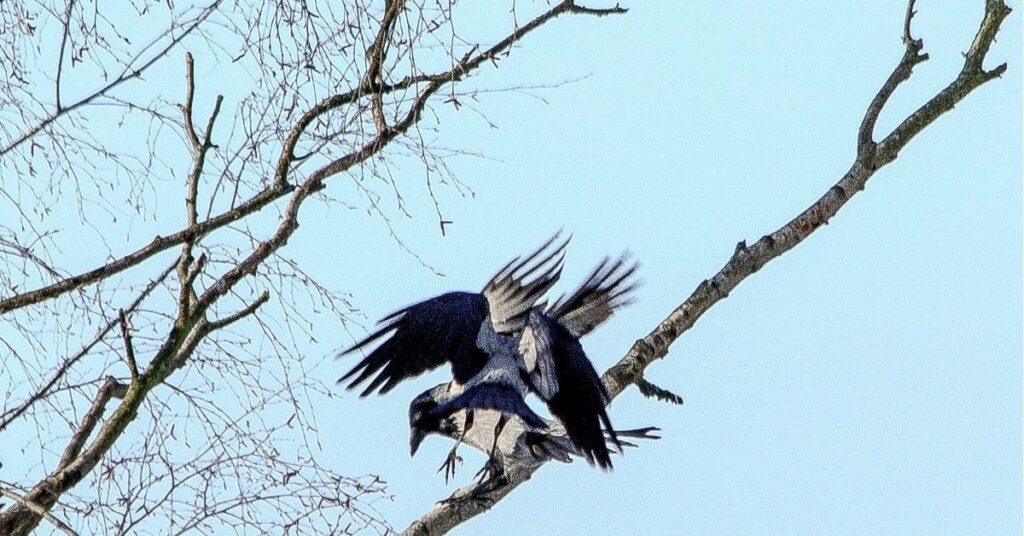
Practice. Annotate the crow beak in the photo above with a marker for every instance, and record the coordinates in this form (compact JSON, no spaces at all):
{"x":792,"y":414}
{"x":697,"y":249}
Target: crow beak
{"x":415,"y":439}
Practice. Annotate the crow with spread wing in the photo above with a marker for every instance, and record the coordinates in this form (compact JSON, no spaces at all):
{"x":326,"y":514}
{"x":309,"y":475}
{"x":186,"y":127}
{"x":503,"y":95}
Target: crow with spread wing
{"x":445,"y":329}
{"x":544,"y":358}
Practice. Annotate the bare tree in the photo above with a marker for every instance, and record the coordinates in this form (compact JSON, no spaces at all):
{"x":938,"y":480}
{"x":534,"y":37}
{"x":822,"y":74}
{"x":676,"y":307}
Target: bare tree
{"x":111,"y":368}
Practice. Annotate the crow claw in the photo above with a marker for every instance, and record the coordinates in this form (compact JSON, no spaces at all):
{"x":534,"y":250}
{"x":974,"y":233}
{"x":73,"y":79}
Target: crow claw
{"x":449,"y":465}
{"x":471,"y":497}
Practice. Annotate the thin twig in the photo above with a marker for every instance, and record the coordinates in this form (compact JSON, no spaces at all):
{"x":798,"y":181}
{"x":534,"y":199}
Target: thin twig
{"x":12,"y":415}
{"x":60,"y":55}
{"x":221,"y":323}
{"x":129,"y":350}
{"x":129,"y":73}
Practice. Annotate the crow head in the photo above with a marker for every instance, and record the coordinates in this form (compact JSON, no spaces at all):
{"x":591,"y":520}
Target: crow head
{"x":422,"y":420}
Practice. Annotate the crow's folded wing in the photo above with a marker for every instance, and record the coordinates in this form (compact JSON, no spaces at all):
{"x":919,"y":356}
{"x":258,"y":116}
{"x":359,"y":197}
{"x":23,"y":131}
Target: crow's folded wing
{"x":535,"y":345}
{"x":494,"y":396}
{"x":579,"y":403}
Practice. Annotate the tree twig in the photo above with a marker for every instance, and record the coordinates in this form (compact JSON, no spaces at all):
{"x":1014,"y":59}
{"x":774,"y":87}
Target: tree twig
{"x":279,"y":187}
{"x":376,"y":56}
{"x":129,"y":73}
{"x":11,"y":415}
{"x":190,"y":327}
{"x":129,"y":349}
{"x":65,"y":34}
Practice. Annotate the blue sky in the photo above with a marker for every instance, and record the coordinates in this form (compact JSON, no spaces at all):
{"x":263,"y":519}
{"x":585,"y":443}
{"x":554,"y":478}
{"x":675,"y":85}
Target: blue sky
{"x":867,"y":382}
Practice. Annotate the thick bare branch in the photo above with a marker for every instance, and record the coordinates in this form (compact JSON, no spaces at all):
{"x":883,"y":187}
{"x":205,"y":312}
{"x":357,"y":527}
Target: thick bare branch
{"x":972,"y":76}
{"x":110,"y":388}
{"x":38,"y":509}
{"x":911,"y":57}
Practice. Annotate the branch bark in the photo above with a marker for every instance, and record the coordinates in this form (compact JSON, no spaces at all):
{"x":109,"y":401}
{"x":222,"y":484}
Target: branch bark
{"x":747,"y":260}
{"x":39,"y":510}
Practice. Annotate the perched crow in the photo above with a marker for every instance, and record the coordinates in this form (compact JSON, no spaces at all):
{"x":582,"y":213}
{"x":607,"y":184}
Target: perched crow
{"x":445,"y":329}
{"x":501,"y":347}
{"x":541,"y":444}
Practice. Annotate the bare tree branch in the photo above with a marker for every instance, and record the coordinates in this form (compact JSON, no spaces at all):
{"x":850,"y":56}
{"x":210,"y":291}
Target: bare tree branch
{"x":60,"y":54}
{"x":13,"y":414}
{"x":129,"y":348}
{"x":130,"y":72}
{"x":279,"y":185}
{"x":111,"y":388}
{"x":235,"y":317}
{"x":746,"y":261}
{"x":39,"y":510}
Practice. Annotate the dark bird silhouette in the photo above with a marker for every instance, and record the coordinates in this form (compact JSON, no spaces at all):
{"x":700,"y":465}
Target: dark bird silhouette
{"x":445,"y":329}
{"x":545,"y":358}
{"x":501,"y":347}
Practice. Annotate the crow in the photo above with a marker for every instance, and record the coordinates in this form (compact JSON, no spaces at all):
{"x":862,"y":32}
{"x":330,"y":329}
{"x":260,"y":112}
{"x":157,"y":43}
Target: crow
{"x":502,"y":347}
{"x":537,"y":444}
{"x":544,"y":358}
{"x":445,"y":329}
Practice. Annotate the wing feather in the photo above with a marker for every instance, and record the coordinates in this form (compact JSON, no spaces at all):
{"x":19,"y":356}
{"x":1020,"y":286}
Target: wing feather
{"x":535,"y":345}
{"x":580,"y":401}
{"x":511,"y":295}
{"x":608,"y":287}
{"x":422,"y":337}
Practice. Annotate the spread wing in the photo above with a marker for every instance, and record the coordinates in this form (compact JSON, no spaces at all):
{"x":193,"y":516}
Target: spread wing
{"x":608,"y":287}
{"x":444,"y":329}
{"x":511,"y":295}
{"x":581,"y":398}
{"x":422,"y":337}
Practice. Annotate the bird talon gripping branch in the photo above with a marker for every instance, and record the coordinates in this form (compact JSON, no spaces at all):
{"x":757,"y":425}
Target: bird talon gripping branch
{"x":503,"y":346}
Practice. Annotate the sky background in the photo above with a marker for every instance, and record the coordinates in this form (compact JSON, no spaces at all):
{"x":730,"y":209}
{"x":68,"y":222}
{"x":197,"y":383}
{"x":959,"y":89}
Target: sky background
{"x":868,"y":381}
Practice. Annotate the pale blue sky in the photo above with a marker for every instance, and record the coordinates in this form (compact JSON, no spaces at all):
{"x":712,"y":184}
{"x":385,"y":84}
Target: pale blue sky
{"x":867,"y":382}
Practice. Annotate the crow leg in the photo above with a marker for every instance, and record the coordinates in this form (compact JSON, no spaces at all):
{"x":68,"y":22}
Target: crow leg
{"x":449,"y":462}
{"x":492,"y":468}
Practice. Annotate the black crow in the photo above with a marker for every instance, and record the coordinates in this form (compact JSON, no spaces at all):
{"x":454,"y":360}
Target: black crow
{"x":546,"y":358}
{"x":445,"y":329}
